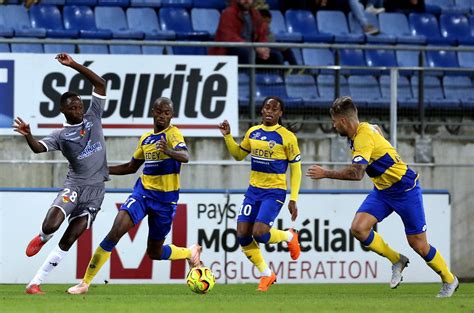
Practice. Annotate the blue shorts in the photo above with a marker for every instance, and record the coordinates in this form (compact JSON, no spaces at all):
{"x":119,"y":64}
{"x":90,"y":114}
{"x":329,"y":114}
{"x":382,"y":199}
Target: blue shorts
{"x":407,"y":204}
{"x":264,"y":211}
{"x":160,"y":214}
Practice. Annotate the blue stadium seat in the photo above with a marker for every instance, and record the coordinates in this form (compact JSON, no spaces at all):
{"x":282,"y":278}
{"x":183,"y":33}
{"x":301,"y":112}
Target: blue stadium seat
{"x":407,"y":58}
{"x":93,"y":49}
{"x":278,"y":28}
{"x":304,"y":86}
{"x":273,"y":4}
{"x":365,"y":89}
{"x":433,"y":93}
{"x":125,"y":49}
{"x":4,"y":47}
{"x":273,"y":85}
{"x":466,"y":59}
{"x":427,"y":25}
{"x":81,"y":2}
{"x":334,"y":22}
{"x":354,"y":57}
{"x":302,"y":22}
{"x":81,"y":19}
{"x":113,"y":18}
{"x":469,"y":4}
{"x":145,"y":3}
{"x":326,"y":87}
{"x":205,"y":20}
{"x":27,"y":48}
{"x":379,"y":58}
{"x":396,"y":24}
{"x":456,"y":26}
{"x":184,"y":4}
{"x":441,"y":58}
{"x":244,"y":90}
{"x":404,"y":94}
{"x":53,"y":2}
{"x":318,"y":57}
{"x":210,"y":4}
{"x":59,"y":48}
{"x":5,"y":31}
{"x":444,"y":6}
{"x":356,"y":28}
{"x":145,"y":20}
{"x":114,"y":3}
{"x":298,"y":55}
{"x":459,"y":88}
{"x":152,"y":50}
{"x":49,"y":18}
{"x":16,"y":17}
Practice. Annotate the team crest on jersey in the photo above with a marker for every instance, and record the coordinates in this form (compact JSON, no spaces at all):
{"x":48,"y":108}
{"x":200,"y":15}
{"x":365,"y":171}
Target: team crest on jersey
{"x":271,"y":144}
{"x":82,"y":132}
{"x":66,"y":199}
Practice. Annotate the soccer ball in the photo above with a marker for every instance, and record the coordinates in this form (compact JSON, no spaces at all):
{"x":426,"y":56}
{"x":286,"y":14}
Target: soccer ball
{"x":201,"y":279}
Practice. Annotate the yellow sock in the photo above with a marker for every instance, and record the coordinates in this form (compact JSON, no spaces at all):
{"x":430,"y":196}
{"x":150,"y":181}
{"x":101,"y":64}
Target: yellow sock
{"x":277,"y":235}
{"x":253,"y":253}
{"x":179,"y":253}
{"x":95,"y":264}
{"x":438,"y":264}
{"x":379,"y":246}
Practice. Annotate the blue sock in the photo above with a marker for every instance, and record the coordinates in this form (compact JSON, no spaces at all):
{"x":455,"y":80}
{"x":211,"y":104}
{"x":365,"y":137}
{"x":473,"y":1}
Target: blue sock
{"x":265,"y":238}
{"x":107,"y":245}
{"x":165,"y":252}
{"x":369,"y":239}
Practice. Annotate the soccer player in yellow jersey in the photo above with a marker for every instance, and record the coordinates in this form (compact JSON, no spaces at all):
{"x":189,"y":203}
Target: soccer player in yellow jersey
{"x":272,"y":147}
{"x":155,"y":194}
{"x":396,"y":189}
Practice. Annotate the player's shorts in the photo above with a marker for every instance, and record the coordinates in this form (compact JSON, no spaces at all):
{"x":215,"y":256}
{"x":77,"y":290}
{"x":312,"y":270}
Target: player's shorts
{"x":160,"y":214}
{"x":408,"y":204}
{"x":264,"y":211}
{"x":78,"y":201}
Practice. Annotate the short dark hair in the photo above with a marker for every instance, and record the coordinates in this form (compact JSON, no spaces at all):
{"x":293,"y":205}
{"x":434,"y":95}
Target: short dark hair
{"x":277,"y":99}
{"x":343,"y":106}
{"x":160,"y":100}
{"x":67,"y":95}
{"x":265,"y":13}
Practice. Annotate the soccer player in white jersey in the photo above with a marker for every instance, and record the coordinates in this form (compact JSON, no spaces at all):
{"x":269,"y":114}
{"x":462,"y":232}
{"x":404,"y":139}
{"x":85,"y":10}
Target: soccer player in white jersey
{"x":81,"y":141}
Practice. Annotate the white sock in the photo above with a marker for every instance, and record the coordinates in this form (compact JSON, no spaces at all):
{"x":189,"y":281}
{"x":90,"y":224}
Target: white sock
{"x":44,"y":237}
{"x":49,"y":264}
{"x":290,"y":235}
{"x":266,"y":272}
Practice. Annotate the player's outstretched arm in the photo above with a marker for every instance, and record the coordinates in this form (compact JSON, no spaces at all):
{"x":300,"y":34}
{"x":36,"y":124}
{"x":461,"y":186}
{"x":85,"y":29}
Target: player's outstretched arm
{"x":179,"y":155}
{"x":232,"y":146}
{"x":97,"y":81}
{"x":351,"y":172}
{"x":23,"y":128}
{"x":130,"y":167}
{"x":295,"y":182}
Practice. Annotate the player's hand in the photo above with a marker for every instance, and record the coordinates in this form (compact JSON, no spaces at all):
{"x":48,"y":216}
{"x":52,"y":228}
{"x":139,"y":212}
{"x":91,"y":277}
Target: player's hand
{"x":21,"y":127}
{"x":293,"y":210}
{"x":224,"y":127}
{"x":162,"y":145}
{"x":65,"y":59}
{"x":315,"y":172}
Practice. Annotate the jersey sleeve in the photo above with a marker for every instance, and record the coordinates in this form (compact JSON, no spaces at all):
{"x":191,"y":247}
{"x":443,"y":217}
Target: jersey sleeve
{"x":363,"y":148}
{"x":138,"y":154}
{"x":293,"y":153}
{"x":176,"y":140}
{"x":245,"y":144}
{"x":97,"y":105}
{"x":51,"y":142}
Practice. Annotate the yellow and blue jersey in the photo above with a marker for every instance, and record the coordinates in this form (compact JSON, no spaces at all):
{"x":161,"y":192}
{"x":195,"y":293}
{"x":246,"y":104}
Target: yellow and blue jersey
{"x":384,"y":166}
{"x":271,"y":149}
{"x":160,"y":177}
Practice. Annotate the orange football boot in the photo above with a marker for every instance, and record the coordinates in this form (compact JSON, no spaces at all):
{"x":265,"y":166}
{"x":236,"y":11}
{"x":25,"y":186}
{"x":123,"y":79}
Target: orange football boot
{"x":294,"y":245}
{"x":266,"y":282}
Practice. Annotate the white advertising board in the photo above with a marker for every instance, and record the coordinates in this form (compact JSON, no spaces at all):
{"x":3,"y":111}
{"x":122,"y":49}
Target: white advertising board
{"x":330,"y":254}
{"x":203,"y":89}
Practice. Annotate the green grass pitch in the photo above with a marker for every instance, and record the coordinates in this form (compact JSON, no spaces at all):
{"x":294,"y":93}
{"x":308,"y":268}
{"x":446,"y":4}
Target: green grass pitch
{"x":366,"y":298}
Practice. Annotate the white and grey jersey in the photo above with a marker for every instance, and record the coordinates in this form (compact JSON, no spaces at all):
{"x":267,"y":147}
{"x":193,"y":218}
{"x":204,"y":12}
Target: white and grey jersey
{"x":83,"y":145}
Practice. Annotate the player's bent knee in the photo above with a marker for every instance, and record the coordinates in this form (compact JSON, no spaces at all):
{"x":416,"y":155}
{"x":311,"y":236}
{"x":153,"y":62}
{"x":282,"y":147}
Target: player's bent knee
{"x":359,"y":232}
{"x":154,"y":254}
{"x":245,"y":240}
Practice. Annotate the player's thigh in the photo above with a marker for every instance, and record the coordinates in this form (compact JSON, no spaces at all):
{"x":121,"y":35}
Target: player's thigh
{"x":410,"y":208}
{"x":269,"y":210}
{"x":248,"y":211}
{"x":67,"y":200}
{"x":136,"y":207}
{"x":160,"y":219}
{"x":89,"y":203}
{"x":375,"y":205}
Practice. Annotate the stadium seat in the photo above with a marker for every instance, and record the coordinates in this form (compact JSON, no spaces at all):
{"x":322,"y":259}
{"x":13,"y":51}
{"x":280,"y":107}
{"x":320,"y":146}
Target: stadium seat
{"x":278,"y":28}
{"x":441,"y":58}
{"x":4,"y":47}
{"x":356,"y":28}
{"x":427,"y":25}
{"x":469,"y":4}
{"x":433,"y":93}
{"x":27,"y":47}
{"x":5,"y":31}
{"x":81,"y":2}
{"x":318,"y":57}
{"x":273,"y":4}
{"x":298,"y":55}
{"x":466,"y":59}
{"x":407,"y":58}
{"x":125,"y":49}
{"x":49,"y":18}
{"x":145,"y":20}
{"x":145,"y":3}
{"x":52,"y":2}
{"x":16,"y":17}
{"x":380,"y":58}
{"x":244,"y":90}
{"x":334,"y":22}
{"x":326,"y":87}
{"x":205,"y":20}
{"x":273,"y":85}
{"x":114,"y":3}
{"x":456,"y":26}
{"x":396,"y":24}
{"x":152,"y":50}
{"x":444,"y":6}
{"x":113,"y":18}
{"x":302,"y":22}
{"x":59,"y":48}
{"x":81,"y":18}
{"x":365,"y":89}
{"x":183,"y":4}
{"x":353,"y":57}
{"x":405,"y":97}
{"x":459,"y":88}
{"x":210,"y":4}
{"x":304,"y":86}
{"x":93,"y":49}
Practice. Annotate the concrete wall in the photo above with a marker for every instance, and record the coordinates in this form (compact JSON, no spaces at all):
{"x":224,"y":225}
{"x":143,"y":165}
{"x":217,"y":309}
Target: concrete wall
{"x":458,"y":180}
